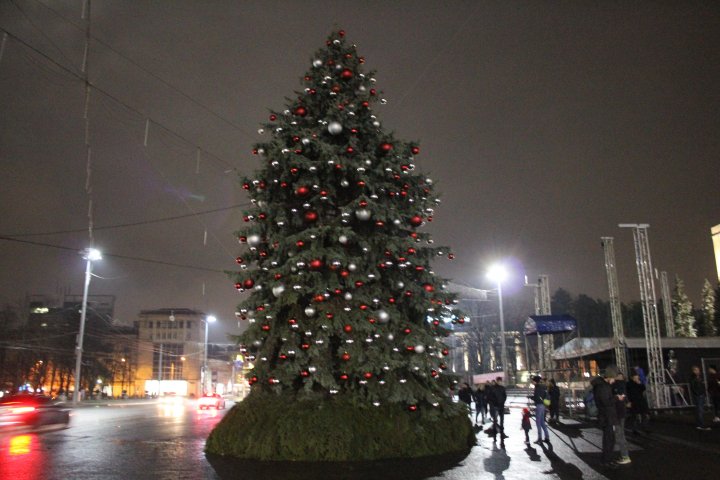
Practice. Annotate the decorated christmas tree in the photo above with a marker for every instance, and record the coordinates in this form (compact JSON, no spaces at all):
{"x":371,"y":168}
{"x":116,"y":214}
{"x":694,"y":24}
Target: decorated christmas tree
{"x":346,"y":318}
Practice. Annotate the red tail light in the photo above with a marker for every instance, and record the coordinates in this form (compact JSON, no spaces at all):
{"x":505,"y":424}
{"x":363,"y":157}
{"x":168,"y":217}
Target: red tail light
{"x":21,"y":410}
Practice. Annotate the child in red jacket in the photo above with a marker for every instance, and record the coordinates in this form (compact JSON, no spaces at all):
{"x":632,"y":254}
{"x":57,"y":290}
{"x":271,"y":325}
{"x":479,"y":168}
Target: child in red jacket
{"x":526,"y":426}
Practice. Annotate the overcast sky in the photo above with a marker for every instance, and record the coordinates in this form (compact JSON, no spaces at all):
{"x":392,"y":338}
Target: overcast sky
{"x":544,"y":125}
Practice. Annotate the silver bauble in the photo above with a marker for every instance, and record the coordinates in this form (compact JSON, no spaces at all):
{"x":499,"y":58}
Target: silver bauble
{"x":278,"y":290}
{"x":254,"y":240}
{"x":363,"y":214}
{"x":317,"y":63}
{"x":348,"y":296}
{"x":310,"y":311}
{"x":343,"y":239}
{"x":383,"y":316}
{"x":335,"y":128}
{"x":352,"y":267}
{"x":419,"y":348}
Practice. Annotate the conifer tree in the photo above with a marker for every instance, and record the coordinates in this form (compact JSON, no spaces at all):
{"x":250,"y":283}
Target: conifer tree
{"x":682,"y":311}
{"x":707,"y":323}
{"x":343,"y":303}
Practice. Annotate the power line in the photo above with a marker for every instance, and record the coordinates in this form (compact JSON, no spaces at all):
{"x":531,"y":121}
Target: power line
{"x":114,"y":255}
{"x":132,"y":224}
{"x":224,"y":162}
{"x":153,"y":75}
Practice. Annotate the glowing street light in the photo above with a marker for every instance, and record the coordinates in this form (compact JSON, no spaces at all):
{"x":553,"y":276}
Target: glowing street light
{"x":208,"y":320}
{"x":498,"y":274}
{"x":91,"y":255}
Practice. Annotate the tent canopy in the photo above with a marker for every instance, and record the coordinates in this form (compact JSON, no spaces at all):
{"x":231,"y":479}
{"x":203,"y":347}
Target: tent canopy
{"x":548,"y":324}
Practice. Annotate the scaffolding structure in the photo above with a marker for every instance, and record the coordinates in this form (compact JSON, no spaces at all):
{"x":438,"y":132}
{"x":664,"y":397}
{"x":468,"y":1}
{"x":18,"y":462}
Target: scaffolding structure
{"x":658,"y":393}
{"x":546,"y":344}
{"x":667,"y":305}
{"x":615,"y":312}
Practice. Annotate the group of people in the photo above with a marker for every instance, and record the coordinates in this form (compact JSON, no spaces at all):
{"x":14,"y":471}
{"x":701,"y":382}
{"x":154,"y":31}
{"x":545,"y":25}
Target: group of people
{"x":489,"y":399}
{"x":698,"y":390}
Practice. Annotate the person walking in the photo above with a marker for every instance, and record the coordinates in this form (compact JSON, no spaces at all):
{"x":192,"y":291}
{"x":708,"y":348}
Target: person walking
{"x":539,"y":398}
{"x":465,"y":396}
{"x":496,"y":398}
{"x":554,"y":396}
{"x":713,"y":387}
{"x":480,"y":396}
{"x":697,"y":390}
{"x":636,"y":402}
{"x":607,"y":413}
{"x":620,"y":392}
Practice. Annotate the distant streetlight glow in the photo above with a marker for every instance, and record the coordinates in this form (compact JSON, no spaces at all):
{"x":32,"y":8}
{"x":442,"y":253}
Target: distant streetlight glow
{"x":91,"y":255}
{"x":498,"y":274}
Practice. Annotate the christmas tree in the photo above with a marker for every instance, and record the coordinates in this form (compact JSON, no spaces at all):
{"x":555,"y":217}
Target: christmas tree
{"x":683,"y":311}
{"x":345,"y":316}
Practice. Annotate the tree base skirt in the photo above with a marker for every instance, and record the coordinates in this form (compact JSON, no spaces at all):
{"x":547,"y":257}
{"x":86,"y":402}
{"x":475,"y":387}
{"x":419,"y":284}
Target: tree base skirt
{"x":274,"y":428}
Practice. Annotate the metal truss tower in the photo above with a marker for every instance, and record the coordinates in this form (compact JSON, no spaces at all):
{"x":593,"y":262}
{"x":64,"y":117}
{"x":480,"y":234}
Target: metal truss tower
{"x":542,"y":307}
{"x":615,"y":312}
{"x":667,"y":305}
{"x":658,"y":393}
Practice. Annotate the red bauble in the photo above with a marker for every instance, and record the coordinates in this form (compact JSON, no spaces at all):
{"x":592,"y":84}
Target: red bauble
{"x":451,"y":256}
{"x":248,"y":283}
{"x":239,"y":260}
{"x":344,"y":376}
{"x":273,"y":117}
{"x":292,"y":321}
{"x":368,"y":375}
{"x":412,"y":408}
{"x":434,"y":373}
{"x":407,"y":331}
{"x":266,"y":328}
{"x":301,"y":191}
{"x":305,"y":346}
{"x":311,"y":216}
{"x":341,"y":33}
{"x":346,"y":74}
{"x":345,"y":356}
{"x":347,"y":328}
{"x":386,"y":147}
{"x":415,"y":150}
{"x":316,"y":264}
{"x":416,"y":221}
{"x":428,"y":287}
{"x":301,"y":111}
{"x":411,"y":251}
{"x":319,"y":298}
{"x":349,"y":149}
{"x":300,"y":244}
{"x":344,"y":273}
{"x":304,"y":373}
{"x":238,"y":285}
{"x":445,"y":352}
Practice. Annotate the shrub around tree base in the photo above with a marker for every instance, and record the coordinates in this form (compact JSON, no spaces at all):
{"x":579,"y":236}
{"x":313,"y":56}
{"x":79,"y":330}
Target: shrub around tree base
{"x":271,"y":427}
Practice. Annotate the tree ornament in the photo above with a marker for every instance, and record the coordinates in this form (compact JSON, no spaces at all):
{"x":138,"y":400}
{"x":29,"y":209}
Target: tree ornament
{"x":346,"y":74}
{"x":386,"y":147}
{"x":277,"y":290}
{"x":316,"y":264}
{"x":309,"y":311}
{"x":383,"y":316}
{"x":248,"y":284}
{"x":317,"y":63}
{"x":348,"y":328}
{"x":311,"y":216}
{"x":352,"y":267}
{"x":343,"y":239}
{"x":345,"y":356}
{"x":254,"y":240}
{"x":429,"y":287}
{"x":301,"y":111}
{"x":335,"y":128}
{"x":363,"y":214}
{"x":302,"y":191}
{"x":416,"y":220}
{"x":415,"y":150}
{"x":419,"y":348}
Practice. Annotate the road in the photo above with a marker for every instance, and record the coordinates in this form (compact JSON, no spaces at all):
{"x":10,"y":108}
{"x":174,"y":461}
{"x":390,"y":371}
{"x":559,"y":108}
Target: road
{"x":149,"y":440}
{"x":125,"y":441}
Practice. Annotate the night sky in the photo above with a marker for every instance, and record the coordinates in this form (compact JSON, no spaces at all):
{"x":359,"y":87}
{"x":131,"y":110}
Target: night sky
{"x":543,"y":124}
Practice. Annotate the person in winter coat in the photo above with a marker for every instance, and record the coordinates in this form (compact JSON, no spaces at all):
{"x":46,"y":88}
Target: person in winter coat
{"x":636,"y":402}
{"x":554,"y":395}
{"x":607,"y":412}
{"x":496,"y":398}
{"x":465,"y":395}
{"x":620,"y":392}
{"x":538,"y":397}
{"x":526,"y":424}
{"x":480,"y":397}
{"x":697,"y":390}
{"x":713,"y":387}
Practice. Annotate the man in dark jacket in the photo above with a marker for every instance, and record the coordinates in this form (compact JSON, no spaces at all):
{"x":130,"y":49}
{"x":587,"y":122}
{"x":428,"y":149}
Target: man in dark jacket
{"x":480,"y":397}
{"x":496,"y":398}
{"x":607,"y":412}
{"x":697,"y":390}
{"x":465,"y":395}
{"x":713,"y":387}
{"x":637,"y":403}
{"x":620,"y":393}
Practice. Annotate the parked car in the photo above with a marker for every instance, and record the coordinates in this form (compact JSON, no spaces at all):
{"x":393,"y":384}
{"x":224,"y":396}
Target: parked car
{"x":25,"y":410}
{"x":211,"y":400}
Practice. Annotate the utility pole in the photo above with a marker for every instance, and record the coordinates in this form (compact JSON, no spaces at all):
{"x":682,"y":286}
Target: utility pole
{"x":659,"y":395}
{"x":615,"y":312}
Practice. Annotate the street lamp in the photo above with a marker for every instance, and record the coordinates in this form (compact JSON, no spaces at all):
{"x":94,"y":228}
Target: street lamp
{"x":91,"y":255}
{"x":497,"y":273}
{"x":208,"y":320}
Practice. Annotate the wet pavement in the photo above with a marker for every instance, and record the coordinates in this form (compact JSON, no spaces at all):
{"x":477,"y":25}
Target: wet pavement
{"x":150,"y":440}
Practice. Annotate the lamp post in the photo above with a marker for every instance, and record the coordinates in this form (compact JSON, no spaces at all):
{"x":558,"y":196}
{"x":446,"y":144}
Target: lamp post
{"x":498,"y":274}
{"x":208,"y":320}
{"x":91,"y":255}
